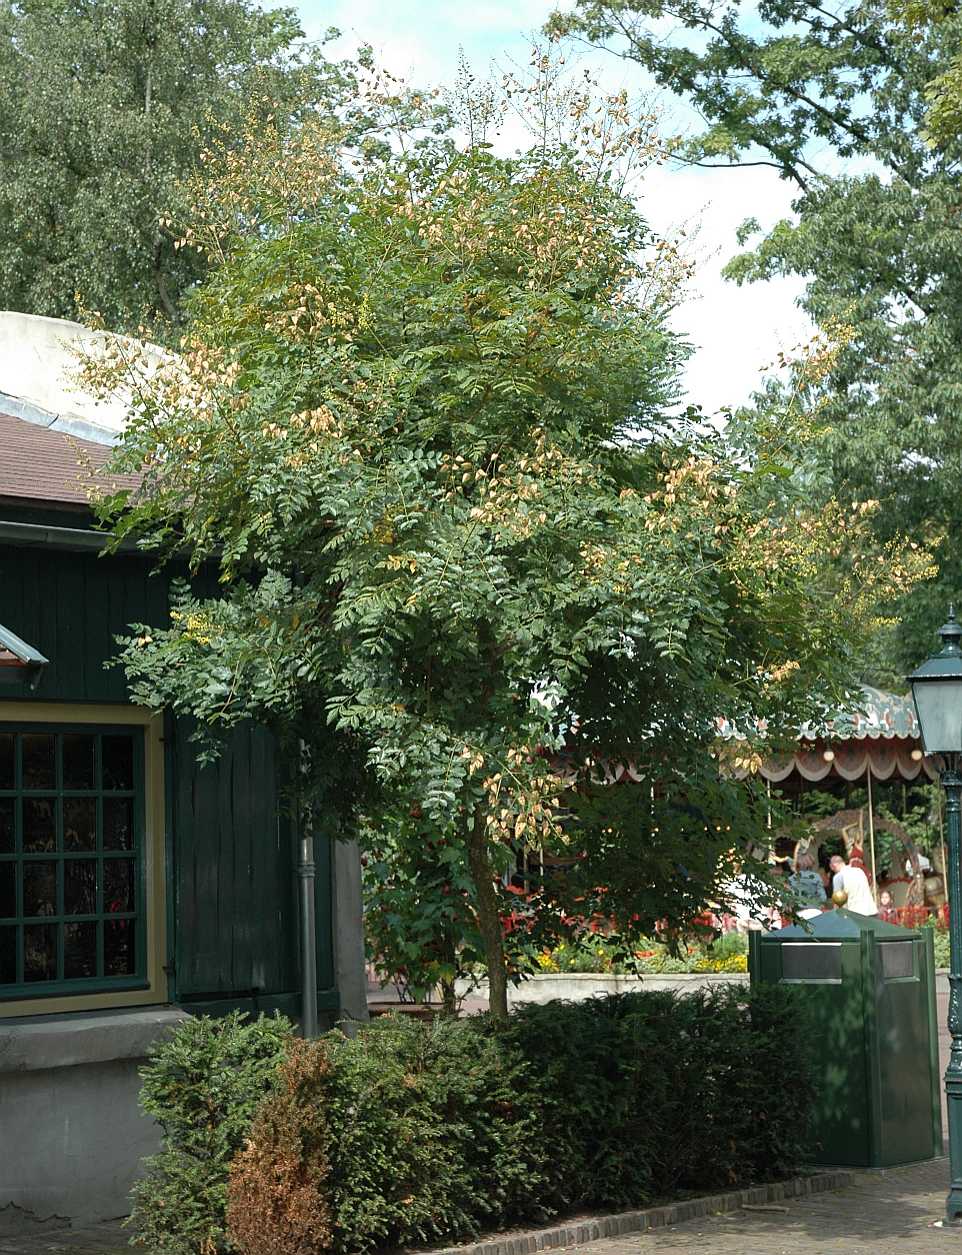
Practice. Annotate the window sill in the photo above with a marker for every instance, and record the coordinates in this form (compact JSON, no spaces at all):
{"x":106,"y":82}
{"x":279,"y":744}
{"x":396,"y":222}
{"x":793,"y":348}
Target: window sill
{"x":33,"y":1042}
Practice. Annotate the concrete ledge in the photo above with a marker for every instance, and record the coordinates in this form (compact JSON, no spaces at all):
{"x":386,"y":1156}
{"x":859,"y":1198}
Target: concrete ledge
{"x":578,"y":986}
{"x":33,"y":1043}
{"x":577,"y":1232}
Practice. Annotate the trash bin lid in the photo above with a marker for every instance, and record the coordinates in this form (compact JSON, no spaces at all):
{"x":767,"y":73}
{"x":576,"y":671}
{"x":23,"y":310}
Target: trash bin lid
{"x":841,"y":925}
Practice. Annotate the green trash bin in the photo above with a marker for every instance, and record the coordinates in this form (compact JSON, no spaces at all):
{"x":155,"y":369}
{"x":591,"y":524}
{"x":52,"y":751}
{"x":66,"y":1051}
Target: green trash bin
{"x":871,"y":991}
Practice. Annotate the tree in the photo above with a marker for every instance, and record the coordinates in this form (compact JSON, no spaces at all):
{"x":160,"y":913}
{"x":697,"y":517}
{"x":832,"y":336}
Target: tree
{"x":104,"y":105}
{"x":423,"y":427}
{"x":836,"y":99}
{"x":944,"y":92}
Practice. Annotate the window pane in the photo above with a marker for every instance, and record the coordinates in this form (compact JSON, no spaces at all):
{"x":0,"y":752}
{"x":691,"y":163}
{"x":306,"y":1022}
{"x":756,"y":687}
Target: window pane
{"x":7,"y":830}
{"x":38,"y":761}
{"x":68,"y":864}
{"x":79,"y":823}
{"x":79,"y":950}
{"x":80,"y":886}
{"x":39,"y":889}
{"x":119,"y":958}
{"x":39,"y":825}
{"x":8,"y":955}
{"x":118,"y":885}
{"x":6,"y":760}
{"x":118,"y":755}
{"x":40,"y":952}
{"x":118,"y":823}
{"x":8,"y":890}
{"x":78,"y":761}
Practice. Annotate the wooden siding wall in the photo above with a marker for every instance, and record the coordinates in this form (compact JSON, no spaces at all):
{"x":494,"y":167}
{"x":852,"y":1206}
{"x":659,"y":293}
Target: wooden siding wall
{"x":236,"y":896}
{"x":70,"y":605}
{"x":231,"y":890}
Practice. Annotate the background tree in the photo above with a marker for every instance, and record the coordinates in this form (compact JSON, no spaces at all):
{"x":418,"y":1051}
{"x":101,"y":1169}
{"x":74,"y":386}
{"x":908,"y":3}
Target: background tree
{"x":944,"y":92}
{"x":837,"y":99}
{"x":104,"y":105}
{"x":423,"y":428}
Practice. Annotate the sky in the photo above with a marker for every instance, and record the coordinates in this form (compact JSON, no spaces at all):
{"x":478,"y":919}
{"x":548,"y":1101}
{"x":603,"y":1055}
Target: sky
{"x":737,"y":332}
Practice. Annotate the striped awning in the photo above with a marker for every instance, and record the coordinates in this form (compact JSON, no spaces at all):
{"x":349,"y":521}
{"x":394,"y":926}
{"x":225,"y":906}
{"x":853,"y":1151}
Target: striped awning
{"x":879,"y":734}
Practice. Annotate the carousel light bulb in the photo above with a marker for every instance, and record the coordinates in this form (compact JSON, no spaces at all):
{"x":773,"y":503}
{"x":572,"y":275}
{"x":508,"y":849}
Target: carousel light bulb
{"x":829,"y":756}
{"x":917,"y":756}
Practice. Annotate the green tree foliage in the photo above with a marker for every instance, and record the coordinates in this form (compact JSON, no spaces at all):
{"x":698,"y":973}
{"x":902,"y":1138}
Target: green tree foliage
{"x":104,"y":104}
{"x":419,"y":922}
{"x":421,"y":425}
{"x":944,"y":92}
{"x":835,"y":98}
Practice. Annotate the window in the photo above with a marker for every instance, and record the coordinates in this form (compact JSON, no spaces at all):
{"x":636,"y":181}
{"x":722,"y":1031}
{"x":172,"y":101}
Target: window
{"x":72,"y":873}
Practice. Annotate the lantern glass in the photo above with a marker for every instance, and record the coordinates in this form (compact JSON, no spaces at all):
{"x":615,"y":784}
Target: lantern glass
{"x":938,"y":703}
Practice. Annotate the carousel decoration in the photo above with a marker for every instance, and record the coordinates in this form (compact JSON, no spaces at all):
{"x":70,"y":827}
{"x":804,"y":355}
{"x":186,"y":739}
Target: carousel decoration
{"x":877,"y":740}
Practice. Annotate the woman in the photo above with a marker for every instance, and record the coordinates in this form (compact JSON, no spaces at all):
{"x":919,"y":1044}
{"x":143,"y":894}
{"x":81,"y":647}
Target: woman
{"x":806,"y":887}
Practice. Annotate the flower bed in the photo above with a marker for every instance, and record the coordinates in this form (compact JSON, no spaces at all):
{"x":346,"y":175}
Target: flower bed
{"x":728,"y":954}
{"x":413,"y":1133}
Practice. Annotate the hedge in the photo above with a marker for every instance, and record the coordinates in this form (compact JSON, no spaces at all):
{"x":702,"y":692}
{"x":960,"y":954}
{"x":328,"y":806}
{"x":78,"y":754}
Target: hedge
{"x":412,"y":1133}
{"x":203,"y":1087}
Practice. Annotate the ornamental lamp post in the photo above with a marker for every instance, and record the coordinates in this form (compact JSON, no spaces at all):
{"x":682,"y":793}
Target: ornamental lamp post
{"x":937,"y":692}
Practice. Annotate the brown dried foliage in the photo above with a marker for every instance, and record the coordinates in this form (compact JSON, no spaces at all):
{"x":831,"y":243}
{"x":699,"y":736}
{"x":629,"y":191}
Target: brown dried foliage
{"x":277,"y":1201}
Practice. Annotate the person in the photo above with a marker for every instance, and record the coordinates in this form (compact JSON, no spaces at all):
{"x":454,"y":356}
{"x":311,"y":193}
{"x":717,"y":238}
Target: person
{"x":886,"y":908}
{"x":853,"y":882}
{"x":805,"y":885}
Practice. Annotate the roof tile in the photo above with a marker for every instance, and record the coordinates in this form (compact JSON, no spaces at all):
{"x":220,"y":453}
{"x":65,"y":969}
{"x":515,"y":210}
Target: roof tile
{"x":40,"y":464}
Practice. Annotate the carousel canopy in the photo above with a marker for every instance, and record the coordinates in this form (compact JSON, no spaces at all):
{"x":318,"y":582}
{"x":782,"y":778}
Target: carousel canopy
{"x":880,"y":734}
{"x":879,"y":716}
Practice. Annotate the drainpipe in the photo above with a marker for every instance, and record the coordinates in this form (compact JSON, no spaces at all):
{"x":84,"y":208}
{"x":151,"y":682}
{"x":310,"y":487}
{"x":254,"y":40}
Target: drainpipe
{"x":307,"y":873}
{"x":306,"y":870}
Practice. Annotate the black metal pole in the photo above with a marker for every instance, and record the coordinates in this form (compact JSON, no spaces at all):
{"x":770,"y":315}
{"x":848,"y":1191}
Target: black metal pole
{"x":952,"y":783}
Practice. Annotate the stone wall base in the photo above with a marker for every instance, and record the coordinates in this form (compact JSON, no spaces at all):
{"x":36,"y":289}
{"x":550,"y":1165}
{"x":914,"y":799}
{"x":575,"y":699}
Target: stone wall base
{"x":71,"y":1130}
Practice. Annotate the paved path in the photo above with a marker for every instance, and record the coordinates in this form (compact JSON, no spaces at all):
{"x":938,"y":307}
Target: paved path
{"x":883,"y":1213}
{"x":102,"y":1239}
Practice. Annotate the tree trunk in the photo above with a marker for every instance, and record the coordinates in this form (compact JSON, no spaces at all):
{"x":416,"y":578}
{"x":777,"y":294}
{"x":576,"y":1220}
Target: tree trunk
{"x":449,"y":993}
{"x":489,"y":921}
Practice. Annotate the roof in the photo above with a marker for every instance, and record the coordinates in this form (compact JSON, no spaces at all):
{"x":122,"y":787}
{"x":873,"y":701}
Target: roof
{"x":41,"y":362}
{"x":39,"y":464}
{"x":878,"y":715}
{"x":875,"y":716}
{"x":878,"y":733}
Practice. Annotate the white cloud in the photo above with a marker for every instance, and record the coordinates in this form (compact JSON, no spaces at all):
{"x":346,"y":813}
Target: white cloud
{"x":737,"y":332}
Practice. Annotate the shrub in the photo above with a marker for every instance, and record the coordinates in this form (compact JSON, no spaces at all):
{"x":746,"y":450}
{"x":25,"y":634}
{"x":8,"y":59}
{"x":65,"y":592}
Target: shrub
{"x":645,"y":1094}
{"x":582,"y":1087}
{"x":432,"y":1133}
{"x":727,"y":946}
{"x":413,"y":1133}
{"x":278,"y":1191}
{"x":203,"y":1086}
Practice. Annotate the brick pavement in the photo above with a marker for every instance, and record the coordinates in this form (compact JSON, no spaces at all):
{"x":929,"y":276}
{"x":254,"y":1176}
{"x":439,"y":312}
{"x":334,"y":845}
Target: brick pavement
{"x":883,"y":1213}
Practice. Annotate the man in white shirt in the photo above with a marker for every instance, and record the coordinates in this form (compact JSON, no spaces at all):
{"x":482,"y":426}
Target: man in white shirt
{"x":854,"y":882}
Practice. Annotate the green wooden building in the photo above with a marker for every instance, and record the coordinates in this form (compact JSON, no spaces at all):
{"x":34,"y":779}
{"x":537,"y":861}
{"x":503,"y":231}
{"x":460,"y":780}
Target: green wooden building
{"x":135,"y":885}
